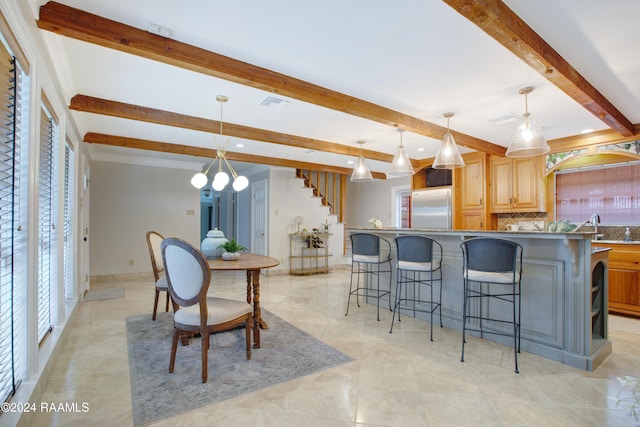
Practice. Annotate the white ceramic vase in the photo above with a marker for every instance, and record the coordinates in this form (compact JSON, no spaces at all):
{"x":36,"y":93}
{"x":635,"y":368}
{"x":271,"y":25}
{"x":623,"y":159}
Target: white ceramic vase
{"x":210,"y":245}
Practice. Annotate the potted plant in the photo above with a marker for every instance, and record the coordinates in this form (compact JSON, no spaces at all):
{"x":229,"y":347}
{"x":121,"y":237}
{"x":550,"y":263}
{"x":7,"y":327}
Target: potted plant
{"x":232,"y":250}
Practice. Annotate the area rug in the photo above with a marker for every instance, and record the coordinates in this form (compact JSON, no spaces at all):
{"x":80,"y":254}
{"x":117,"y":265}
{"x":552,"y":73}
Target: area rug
{"x":286,"y":353}
{"x":100,"y":294}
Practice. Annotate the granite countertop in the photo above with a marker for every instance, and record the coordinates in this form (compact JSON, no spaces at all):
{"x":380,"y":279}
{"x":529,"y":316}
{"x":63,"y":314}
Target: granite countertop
{"x":617,"y":242}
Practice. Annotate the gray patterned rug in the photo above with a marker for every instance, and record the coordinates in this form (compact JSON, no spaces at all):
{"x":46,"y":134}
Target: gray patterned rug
{"x":286,"y":353}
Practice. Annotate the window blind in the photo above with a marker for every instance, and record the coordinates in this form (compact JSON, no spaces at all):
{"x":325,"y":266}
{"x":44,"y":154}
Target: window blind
{"x":46,"y":227}
{"x":12,"y":235}
{"x":611,"y":192}
{"x":68,"y":231}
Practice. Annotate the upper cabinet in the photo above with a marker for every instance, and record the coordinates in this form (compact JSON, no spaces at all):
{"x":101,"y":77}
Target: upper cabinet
{"x":473,"y":182}
{"x":517,"y":184}
{"x":471,"y":193}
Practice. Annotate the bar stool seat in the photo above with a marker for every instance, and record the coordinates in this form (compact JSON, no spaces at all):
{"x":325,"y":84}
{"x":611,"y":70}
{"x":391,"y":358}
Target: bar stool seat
{"x":370,"y":257}
{"x":492,"y":271}
{"x":419,"y":259}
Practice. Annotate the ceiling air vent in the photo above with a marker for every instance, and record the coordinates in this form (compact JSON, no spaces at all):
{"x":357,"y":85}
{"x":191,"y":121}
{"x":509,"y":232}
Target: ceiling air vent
{"x":511,"y":117}
{"x":274,"y":102}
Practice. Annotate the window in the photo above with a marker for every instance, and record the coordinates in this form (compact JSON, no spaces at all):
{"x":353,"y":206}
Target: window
{"x":68,"y":232}
{"x":611,"y":192}
{"x":46,"y":222}
{"x":13,"y":214}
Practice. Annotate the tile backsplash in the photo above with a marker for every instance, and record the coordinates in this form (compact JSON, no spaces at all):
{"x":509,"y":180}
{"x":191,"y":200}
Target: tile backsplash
{"x":526,"y":221}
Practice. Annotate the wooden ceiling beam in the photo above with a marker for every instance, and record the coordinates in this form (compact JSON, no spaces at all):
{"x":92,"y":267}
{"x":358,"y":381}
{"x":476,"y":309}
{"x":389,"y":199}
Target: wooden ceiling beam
{"x":187,"y":150}
{"x":122,"y":110}
{"x":603,"y":137}
{"x":501,"y":23}
{"x":81,"y":25}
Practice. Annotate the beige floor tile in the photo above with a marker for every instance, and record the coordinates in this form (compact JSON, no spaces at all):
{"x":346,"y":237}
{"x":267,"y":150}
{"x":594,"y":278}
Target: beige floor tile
{"x":398,"y":379}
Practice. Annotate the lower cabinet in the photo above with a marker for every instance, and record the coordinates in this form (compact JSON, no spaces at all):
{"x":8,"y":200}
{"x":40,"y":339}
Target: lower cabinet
{"x":624,"y":278}
{"x":472,"y":221}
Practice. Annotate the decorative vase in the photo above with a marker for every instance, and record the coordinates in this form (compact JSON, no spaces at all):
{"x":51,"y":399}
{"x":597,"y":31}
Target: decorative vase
{"x":230,"y":256}
{"x":210,"y":245}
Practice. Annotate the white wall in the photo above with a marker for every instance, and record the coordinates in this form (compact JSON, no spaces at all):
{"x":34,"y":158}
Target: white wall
{"x":289,"y":198}
{"x":372,"y":199}
{"x":129,"y":200}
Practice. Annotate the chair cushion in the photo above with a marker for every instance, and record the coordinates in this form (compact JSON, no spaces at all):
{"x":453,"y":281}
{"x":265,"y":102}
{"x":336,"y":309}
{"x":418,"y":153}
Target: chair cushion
{"x":162,"y":284}
{"x":418,"y":266}
{"x":506,"y":277}
{"x":372,"y":259}
{"x":220,"y":310}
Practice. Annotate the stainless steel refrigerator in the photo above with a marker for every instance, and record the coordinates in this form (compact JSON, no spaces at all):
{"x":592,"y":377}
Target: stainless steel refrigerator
{"x":431,"y":208}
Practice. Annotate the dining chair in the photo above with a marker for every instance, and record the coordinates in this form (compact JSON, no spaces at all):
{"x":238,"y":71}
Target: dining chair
{"x":154,"y":239}
{"x":188,"y":276}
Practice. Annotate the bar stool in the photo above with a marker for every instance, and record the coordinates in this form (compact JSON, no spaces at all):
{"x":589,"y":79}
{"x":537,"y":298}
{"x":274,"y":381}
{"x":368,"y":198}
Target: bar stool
{"x":491,"y":270}
{"x":419,"y":259}
{"x":369,"y":254}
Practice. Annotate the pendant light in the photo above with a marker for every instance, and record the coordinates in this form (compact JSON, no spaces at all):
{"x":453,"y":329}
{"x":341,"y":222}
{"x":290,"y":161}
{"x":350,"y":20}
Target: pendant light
{"x":527,"y":141}
{"x":400,"y":165}
{"x":448,"y":156}
{"x":361,"y":171}
{"x":221,"y":178}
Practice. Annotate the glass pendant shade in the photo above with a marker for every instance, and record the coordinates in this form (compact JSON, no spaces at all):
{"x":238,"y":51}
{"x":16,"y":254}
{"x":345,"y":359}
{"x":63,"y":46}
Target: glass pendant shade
{"x":361,"y":171}
{"x":400,"y":165}
{"x":448,"y":156}
{"x":527,"y":140}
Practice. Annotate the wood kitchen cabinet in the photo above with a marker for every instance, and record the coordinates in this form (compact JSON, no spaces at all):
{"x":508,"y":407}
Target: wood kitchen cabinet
{"x":471,"y":193}
{"x":517,"y":184}
{"x":624,"y":278}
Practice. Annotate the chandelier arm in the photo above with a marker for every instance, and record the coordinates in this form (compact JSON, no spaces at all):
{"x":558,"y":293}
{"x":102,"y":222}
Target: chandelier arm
{"x":233,"y":172}
{"x":209,"y":166}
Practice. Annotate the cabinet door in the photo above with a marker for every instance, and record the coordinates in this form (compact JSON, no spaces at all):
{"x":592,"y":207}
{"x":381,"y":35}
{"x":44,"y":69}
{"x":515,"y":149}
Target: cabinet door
{"x":473,"y":182}
{"x":472,"y":221}
{"x":501,"y":184}
{"x":526,"y":183}
{"x":623,"y":286}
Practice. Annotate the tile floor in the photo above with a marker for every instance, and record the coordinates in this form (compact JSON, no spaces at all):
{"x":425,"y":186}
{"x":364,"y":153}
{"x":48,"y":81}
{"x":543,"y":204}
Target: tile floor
{"x":398,"y":379}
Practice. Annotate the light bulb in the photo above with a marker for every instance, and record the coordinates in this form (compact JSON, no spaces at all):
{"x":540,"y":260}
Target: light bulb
{"x":527,"y":135}
{"x":199,"y":180}
{"x":447,"y":151}
{"x":218,"y":185}
{"x":222,"y":177}
{"x":240,"y":183}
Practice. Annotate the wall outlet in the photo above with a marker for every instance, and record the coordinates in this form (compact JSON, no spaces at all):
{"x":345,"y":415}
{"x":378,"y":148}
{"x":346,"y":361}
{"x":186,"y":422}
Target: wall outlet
{"x":131,"y":261}
{"x":191,"y":212}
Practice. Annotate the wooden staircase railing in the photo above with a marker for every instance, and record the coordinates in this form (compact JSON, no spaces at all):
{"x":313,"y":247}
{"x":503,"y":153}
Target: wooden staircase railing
{"x":330,"y":187}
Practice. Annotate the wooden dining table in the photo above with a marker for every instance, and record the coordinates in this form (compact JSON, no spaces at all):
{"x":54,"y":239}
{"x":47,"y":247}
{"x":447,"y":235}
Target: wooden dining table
{"x":252,"y":264}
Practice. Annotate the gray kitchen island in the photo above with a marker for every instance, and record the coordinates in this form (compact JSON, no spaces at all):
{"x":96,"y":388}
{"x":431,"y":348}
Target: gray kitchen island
{"x":564,"y":291}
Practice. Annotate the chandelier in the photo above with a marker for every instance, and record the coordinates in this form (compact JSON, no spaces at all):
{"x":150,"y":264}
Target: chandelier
{"x":221,"y":178}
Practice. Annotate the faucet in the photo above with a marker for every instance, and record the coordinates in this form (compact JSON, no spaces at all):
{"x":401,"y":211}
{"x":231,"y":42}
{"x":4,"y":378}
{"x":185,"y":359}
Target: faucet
{"x":594,"y":221}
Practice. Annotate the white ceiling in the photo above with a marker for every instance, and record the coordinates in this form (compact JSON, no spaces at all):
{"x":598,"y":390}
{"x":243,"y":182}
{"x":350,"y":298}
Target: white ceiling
{"x":419,"y":57}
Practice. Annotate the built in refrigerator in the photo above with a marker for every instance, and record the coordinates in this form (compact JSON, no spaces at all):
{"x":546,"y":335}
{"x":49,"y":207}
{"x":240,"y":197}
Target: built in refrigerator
{"x":431,"y":208}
